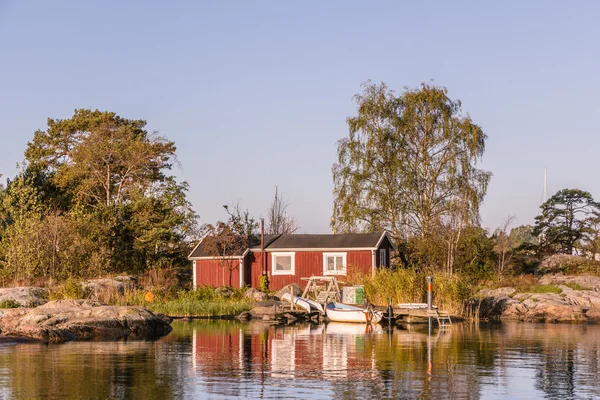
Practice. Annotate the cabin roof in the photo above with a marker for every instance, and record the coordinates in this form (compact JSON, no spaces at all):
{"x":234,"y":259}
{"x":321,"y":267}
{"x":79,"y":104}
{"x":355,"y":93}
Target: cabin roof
{"x":327,"y":241}
{"x":230,"y":246}
{"x":234,"y":248}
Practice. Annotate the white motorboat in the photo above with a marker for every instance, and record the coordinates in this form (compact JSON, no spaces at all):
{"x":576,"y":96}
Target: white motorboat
{"x":340,"y":312}
{"x":306,"y":304}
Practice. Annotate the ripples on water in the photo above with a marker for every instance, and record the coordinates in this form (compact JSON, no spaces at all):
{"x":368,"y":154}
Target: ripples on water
{"x":231,"y":359}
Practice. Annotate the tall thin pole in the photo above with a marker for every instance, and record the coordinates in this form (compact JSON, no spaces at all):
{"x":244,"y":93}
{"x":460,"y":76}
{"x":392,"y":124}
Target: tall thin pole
{"x":545,"y":196}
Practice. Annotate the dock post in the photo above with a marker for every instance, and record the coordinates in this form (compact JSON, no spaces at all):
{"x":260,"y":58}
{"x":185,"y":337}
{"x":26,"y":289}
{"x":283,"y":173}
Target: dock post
{"x":430,"y":292}
{"x":430,"y":298}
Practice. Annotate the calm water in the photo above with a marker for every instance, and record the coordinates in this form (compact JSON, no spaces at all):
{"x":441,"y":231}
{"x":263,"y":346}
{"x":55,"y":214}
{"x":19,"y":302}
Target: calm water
{"x":229,"y":359}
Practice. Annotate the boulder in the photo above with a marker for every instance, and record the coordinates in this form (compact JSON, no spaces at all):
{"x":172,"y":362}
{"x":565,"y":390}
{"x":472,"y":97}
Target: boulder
{"x":65,"y":320}
{"x":565,"y":263}
{"x":244,"y":316}
{"x":568,"y":306}
{"x":593,"y":315}
{"x":500,"y":292}
{"x":293,"y":287}
{"x":499,"y":306}
{"x":262,"y":310}
{"x":24,"y":296}
{"x":255,"y":295}
{"x":102,"y":288}
{"x":584,"y":281}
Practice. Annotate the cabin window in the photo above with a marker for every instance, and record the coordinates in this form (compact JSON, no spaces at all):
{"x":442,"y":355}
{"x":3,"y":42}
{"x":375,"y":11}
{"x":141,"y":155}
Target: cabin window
{"x":283,"y":263}
{"x":334,"y":263}
{"x":383,"y":262}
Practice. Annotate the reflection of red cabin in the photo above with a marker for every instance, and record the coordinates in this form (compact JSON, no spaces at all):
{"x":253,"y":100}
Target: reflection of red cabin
{"x":328,"y":352}
{"x":287,"y":258}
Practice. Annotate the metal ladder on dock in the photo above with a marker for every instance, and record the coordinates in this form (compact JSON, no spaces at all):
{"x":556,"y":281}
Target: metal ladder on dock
{"x":442,"y":317}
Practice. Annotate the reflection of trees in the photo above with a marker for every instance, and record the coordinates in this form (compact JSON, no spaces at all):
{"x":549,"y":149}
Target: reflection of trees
{"x":253,"y":360}
{"x":91,"y":370}
{"x":464,"y":362}
{"x":568,"y":362}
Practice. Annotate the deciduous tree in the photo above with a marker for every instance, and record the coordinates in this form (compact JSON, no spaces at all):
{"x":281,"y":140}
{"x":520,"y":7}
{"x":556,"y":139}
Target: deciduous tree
{"x":279,"y":221}
{"x":409,"y":165}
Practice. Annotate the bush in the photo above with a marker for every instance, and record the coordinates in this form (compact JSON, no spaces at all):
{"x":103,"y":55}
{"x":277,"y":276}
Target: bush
{"x":71,"y":289}
{"x":263,"y":283}
{"x":9,"y":303}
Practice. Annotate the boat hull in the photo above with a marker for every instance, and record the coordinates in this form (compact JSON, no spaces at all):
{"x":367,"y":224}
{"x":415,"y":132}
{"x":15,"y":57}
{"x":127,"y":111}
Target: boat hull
{"x":338,"y":312}
{"x":306,"y":304}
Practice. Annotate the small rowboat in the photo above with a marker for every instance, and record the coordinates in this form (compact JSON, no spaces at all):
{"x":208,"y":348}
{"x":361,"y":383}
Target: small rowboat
{"x":339,"y":312}
{"x":306,"y":304}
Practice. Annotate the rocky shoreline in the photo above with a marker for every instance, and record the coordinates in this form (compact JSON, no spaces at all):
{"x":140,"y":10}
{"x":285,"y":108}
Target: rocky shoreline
{"x":554,"y":298}
{"x":576,"y":299}
{"x":66,"y":320}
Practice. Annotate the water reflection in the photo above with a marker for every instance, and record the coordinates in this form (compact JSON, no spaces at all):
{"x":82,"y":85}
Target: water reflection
{"x":231,"y":359}
{"x":350,"y":361}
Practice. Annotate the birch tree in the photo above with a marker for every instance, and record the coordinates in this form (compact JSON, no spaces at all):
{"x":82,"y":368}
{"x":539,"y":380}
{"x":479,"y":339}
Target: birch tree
{"x":409,"y":165}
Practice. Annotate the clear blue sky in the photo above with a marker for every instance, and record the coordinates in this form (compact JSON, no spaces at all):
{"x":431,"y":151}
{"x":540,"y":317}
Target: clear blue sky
{"x":255,"y":94}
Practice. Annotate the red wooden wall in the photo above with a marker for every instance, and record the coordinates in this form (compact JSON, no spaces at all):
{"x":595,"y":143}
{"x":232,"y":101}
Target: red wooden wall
{"x":307,"y":263}
{"x":212,"y":273}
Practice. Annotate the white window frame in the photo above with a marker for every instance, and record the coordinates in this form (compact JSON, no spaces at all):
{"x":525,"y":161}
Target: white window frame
{"x":383,"y":260}
{"x":274,"y":256}
{"x":327,"y":255}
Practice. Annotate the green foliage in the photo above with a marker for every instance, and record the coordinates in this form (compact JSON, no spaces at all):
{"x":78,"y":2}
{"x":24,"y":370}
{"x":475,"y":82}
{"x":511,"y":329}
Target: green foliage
{"x":577,"y":286}
{"x":409,"y":165}
{"x":263,"y":283}
{"x":240,"y":221}
{"x":94,"y":197}
{"x":71,"y":289}
{"x":204,"y":301}
{"x":9,"y":303}
{"x":565,"y":221}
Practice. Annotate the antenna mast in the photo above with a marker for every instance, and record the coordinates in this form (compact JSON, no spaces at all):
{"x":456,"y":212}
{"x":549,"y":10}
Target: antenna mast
{"x":545,"y":195}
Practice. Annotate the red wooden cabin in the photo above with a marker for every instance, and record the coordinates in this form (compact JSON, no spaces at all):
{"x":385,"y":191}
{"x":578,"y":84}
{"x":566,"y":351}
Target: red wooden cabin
{"x":287,"y":258}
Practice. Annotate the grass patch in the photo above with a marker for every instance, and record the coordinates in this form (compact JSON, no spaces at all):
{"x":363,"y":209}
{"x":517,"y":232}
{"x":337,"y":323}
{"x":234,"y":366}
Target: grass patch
{"x":539,"y":289}
{"x":9,"y":303}
{"x":204,"y":301}
{"x":577,"y":286}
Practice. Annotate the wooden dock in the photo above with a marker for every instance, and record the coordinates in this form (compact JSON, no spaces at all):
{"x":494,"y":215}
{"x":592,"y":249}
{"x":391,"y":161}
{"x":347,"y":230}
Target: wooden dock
{"x":419,"y":315}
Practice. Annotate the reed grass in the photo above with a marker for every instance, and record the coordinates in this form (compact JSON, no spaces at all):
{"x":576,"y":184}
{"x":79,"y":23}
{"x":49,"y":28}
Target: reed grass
{"x":409,"y":286}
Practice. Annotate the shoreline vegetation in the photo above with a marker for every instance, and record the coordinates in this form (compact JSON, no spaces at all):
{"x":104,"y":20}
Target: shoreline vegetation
{"x":96,"y":196}
{"x":464,"y":296}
